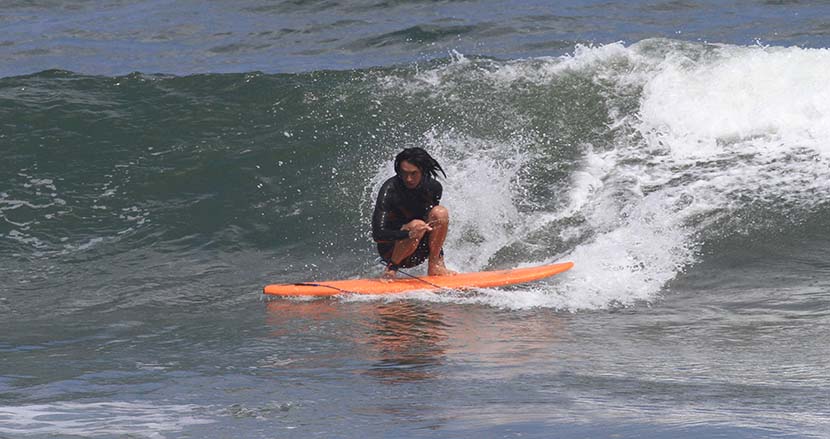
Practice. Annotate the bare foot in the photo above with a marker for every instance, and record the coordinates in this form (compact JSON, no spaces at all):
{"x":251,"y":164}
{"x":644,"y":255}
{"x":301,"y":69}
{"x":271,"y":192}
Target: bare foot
{"x":440,"y":270}
{"x":388,"y":275}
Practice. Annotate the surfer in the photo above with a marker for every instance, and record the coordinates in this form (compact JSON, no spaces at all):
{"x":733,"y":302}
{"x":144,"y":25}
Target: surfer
{"x":408,"y":224}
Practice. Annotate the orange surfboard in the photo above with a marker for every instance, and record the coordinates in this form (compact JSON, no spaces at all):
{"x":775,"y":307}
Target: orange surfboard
{"x":482,"y":279}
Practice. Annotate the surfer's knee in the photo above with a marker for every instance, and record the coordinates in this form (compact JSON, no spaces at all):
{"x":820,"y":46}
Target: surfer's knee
{"x":439,"y":215}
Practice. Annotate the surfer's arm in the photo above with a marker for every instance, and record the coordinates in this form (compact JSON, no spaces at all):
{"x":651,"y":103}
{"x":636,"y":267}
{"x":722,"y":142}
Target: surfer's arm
{"x":381,"y":232}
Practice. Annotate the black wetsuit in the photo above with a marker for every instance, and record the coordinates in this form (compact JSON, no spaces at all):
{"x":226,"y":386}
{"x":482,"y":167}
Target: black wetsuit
{"x":398,"y":205}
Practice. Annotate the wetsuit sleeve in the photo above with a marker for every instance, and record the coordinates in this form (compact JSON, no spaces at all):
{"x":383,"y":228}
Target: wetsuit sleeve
{"x":381,"y":230}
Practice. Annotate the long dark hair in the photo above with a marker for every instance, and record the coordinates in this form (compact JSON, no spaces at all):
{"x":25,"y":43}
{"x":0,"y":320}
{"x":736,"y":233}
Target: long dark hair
{"x":420,"y":158}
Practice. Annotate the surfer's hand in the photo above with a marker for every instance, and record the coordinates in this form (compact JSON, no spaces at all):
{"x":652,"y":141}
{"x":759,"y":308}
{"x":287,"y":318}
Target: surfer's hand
{"x":417,"y":229}
{"x":417,"y":234}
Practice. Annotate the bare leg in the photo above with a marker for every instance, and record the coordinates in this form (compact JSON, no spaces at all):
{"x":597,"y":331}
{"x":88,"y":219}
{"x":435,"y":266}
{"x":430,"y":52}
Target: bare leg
{"x":439,"y":219}
{"x":403,"y":249}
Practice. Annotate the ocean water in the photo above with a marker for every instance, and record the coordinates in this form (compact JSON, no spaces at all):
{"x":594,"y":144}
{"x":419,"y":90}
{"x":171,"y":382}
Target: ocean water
{"x":163,"y":160}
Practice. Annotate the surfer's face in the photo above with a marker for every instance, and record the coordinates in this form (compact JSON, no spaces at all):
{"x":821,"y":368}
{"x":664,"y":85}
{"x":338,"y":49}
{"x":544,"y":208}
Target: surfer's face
{"x":410,"y":174}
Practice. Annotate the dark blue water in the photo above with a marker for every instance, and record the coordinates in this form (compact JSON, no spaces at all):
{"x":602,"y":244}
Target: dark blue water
{"x":162,"y":36}
{"x":162,"y":161}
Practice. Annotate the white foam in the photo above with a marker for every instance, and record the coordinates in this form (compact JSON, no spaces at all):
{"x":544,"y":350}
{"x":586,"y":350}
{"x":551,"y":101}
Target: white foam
{"x":484,"y":216}
{"x":24,"y":238}
{"x":134,"y":419}
{"x":733,"y":123}
{"x":742,"y":93}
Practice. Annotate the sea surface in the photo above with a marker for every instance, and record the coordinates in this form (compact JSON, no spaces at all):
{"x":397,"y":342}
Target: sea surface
{"x":161,"y":161}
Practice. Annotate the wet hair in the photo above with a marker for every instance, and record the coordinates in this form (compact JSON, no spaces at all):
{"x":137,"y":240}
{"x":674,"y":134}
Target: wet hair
{"x":420,"y":158}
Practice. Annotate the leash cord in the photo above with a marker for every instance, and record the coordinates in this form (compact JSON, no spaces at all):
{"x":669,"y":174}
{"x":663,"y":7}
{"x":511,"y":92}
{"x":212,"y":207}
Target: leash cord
{"x":398,"y":270}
